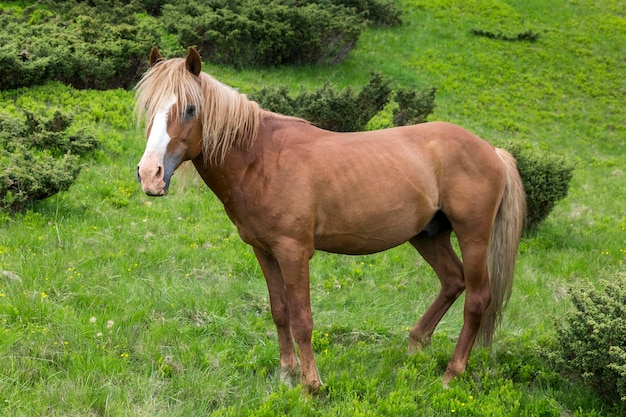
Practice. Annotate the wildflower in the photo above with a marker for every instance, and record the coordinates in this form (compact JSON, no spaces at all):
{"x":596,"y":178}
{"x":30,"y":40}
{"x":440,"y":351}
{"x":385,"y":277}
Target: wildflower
{"x":43,"y":295}
{"x":92,"y":319}
{"x":110,"y":324}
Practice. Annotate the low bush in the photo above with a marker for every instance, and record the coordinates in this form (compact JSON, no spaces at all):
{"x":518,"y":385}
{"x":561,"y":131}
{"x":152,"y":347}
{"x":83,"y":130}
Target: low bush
{"x":546,"y":180}
{"x":591,"y":339}
{"x":328,"y":107}
{"x":38,"y":158}
{"x":103,"y":44}
{"x":528,"y":35}
{"x":252,"y":32}
{"x":413,"y":106}
{"x":382,"y":13}
{"x":347,"y":110}
{"x":75,"y":43}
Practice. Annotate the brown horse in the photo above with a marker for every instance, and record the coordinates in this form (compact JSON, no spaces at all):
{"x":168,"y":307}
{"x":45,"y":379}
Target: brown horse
{"x":292,"y":188}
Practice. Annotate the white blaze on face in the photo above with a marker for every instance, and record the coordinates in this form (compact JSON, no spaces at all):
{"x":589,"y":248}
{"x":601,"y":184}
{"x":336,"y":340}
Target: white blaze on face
{"x":150,"y":167}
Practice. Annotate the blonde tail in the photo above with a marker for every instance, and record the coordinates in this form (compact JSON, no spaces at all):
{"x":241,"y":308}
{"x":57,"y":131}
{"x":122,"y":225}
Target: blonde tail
{"x":503,"y":246}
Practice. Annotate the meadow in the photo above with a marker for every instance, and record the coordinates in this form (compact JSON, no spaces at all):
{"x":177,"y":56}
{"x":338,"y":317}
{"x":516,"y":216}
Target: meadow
{"x":113,"y":303}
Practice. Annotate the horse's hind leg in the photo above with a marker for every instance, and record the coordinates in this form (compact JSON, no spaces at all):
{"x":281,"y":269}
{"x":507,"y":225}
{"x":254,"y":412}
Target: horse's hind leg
{"x":289,"y":368}
{"x":437,"y":251}
{"x":473,"y":242}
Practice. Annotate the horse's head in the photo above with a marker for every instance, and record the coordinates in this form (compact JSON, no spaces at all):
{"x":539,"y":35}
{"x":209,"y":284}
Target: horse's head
{"x":168,"y":98}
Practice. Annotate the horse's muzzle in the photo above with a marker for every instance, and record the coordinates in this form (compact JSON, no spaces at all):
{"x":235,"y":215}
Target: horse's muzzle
{"x":153,"y":186}
{"x":155,"y":171}
{"x":154,"y":176}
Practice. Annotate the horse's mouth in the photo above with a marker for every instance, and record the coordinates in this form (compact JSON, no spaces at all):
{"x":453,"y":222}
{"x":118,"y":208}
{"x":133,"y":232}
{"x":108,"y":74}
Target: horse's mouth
{"x":156,"y":191}
{"x":151,"y":193}
{"x":155,"y":178}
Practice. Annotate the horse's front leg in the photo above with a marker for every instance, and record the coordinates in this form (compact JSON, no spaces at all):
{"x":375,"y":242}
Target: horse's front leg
{"x":294,"y":259}
{"x":289,"y":370}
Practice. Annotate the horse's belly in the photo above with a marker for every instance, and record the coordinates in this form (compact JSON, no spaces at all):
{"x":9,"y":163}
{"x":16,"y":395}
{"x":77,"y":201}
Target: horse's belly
{"x":355,"y":245}
{"x":369,"y":234}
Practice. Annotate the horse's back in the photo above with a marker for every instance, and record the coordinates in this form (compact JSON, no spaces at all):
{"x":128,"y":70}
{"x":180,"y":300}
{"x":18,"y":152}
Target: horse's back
{"x":369,"y":191}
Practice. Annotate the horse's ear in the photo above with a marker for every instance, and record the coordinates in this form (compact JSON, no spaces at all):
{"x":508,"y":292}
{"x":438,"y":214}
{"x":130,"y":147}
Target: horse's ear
{"x":193,"y":61}
{"x":155,"y":56}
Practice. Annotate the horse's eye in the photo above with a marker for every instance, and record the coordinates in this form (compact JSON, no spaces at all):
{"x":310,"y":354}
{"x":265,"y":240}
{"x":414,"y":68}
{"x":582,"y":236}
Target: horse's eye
{"x":190,"y":111}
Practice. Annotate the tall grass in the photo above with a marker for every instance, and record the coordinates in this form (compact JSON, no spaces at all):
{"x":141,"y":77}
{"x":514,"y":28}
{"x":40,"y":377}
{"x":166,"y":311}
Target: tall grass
{"x":115,"y":304}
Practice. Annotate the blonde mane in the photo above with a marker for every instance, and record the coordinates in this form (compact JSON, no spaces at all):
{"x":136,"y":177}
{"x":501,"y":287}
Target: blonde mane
{"x":229,"y":119}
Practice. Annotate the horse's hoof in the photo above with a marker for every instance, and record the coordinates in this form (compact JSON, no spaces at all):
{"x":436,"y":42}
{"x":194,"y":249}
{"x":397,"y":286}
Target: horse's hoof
{"x":417,"y":345}
{"x":447,"y":378}
{"x":311,"y":390}
{"x":289,"y":376}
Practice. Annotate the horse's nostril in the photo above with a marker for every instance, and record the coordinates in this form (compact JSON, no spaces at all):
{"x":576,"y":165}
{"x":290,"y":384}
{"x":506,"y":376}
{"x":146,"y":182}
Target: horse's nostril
{"x":138,"y":174}
{"x":159,"y":171}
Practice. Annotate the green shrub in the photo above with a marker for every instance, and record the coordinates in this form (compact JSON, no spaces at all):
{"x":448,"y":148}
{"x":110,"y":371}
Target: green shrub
{"x":102,"y":44}
{"x":276,"y":99}
{"x":329,"y":108}
{"x":546,"y":180}
{"x":17,"y":68}
{"x":346,"y":110}
{"x":38,"y":158}
{"x":527,"y":35}
{"x":383,"y":13}
{"x":591,"y":339}
{"x":265,"y":32}
{"x":413,"y":106}
{"x":99,"y":46}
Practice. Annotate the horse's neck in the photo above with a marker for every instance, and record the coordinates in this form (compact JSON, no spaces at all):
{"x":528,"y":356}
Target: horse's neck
{"x":224,"y":179}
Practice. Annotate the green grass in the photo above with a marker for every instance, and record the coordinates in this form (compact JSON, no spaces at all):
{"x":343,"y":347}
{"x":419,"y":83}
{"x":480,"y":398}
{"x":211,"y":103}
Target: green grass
{"x":116,"y":304}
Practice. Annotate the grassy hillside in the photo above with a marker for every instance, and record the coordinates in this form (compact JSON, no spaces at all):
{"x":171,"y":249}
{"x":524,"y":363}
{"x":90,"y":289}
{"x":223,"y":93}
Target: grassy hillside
{"x":116,"y":304}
